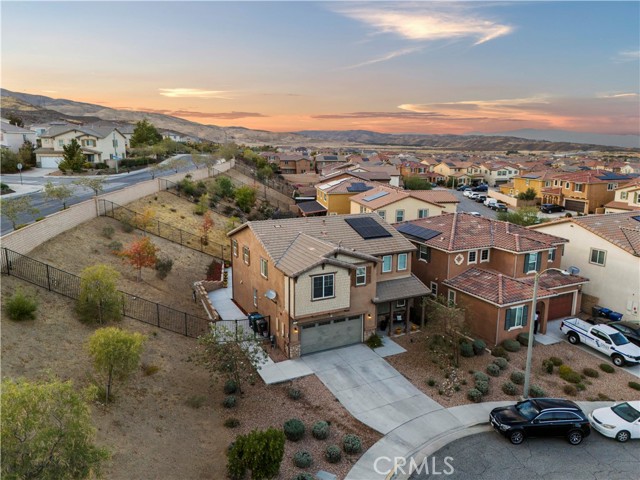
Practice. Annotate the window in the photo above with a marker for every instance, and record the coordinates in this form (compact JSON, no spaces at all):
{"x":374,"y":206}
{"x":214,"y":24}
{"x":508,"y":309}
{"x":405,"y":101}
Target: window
{"x":322,"y":286}
{"x":624,"y":195}
{"x":60,"y":143}
{"x":473,"y":256}
{"x":501,"y":173}
{"x":402,"y":261}
{"x":424,"y":253}
{"x":516,"y":317}
{"x":264,"y":268}
{"x":578,"y":187}
{"x":598,"y":257}
{"x":382,"y":214}
{"x":399,"y":215}
{"x":451,"y":296}
{"x":532,"y":262}
{"x":362,"y":209}
{"x":566,"y":185}
{"x":555,"y":183}
{"x":115,"y":143}
{"x":434,"y":289}
{"x":361,"y":276}
{"x":246,"y":256}
{"x":484,"y":255}
{"x":526,"y":182}
{"x":611,"y":186}
{"x":234,"y":247}
{"x":547,"y":184}
{"x":255,"y":297}
{"x":423,"y":213}
{"x":386,"y":263}
{"x":552,"y":255}
{"x":401,"y":303}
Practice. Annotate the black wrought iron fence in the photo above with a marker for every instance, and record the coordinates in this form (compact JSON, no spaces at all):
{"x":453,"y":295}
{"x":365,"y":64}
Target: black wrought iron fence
{"x":164,"y":230}
{"x":276,"y":184}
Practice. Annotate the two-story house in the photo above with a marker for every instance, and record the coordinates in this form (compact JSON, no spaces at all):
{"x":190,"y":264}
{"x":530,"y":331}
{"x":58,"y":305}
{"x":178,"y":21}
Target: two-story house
{"x":498,"y":173}
{"x":99,"y":144}
{"x":397,"y":205}
{"x":461,"y":173}
{"x":324,"y":282}
{"x":538,"y":181}
{"x":324,"y":161}
{"x":584,"y":191}
{"x":606,"y":248}
{"x":627,"y":198}
{"x":488,"y":267}
{"x":335,"y":195}
{"x":13,"y":137}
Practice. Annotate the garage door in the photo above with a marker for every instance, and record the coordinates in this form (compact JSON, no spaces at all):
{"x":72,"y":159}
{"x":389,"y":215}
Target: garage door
{"x":50,"y":162}
{"x":328,"y":334}
{"x":560,"y":306}
{"x":574,"y":205}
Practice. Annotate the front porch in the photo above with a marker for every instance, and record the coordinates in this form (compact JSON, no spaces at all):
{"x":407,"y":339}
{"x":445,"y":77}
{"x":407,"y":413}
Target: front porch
{"x":395,"y":304}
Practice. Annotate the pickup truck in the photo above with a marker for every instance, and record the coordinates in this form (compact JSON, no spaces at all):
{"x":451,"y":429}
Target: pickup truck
{"x":603,"y":338}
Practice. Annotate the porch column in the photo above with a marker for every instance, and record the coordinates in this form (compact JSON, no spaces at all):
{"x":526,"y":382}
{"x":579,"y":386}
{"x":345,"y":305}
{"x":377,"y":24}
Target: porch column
{"x":390,"y":317}
{"x":406,"y":315}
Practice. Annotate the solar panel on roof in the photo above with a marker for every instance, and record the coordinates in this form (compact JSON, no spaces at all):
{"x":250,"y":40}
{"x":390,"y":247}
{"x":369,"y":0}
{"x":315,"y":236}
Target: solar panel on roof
{"x":375,"y":196}
{"x":358,"y":187}
{"x":418,"y":231}
{"x":368,"y":228}
{"x":636,"y":218}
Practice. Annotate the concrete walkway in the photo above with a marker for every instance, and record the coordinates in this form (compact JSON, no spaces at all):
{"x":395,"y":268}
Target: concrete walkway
{"x":222,"y":302}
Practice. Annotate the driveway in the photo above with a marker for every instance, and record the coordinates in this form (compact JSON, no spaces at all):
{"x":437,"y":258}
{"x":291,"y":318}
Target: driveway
{"x":489,"y":456}
{"x":369,"y":388}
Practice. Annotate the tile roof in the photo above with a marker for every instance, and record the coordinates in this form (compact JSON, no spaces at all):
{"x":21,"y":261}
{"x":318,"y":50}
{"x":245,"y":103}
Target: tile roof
{"x":276,"y":236}
{"x":399,"y":288}
{"x":592,"y":176}
{"x":461,"y":231}
{"x":394,"y":194}
{"x":9,"y":128}
{"x":306,"y":252}
{"x":621,"y":229}
{"x":344,"y":185}
{"x":495,"y":287}
{"x":622,"y":206}
{"x":552,"y":279}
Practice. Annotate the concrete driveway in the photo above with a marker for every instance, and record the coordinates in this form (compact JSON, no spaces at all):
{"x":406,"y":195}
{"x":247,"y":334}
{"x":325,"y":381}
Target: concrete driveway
{"x":370,"y":388}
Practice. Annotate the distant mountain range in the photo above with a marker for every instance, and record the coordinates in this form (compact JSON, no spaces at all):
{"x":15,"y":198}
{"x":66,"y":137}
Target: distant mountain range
{"x":627,"y":141}
{"x":41,"y":109}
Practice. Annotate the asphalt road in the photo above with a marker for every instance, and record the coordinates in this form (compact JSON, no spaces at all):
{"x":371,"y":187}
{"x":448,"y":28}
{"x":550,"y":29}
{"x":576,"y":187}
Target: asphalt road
{"x":47,"y":207}
{"x":467,"y":205}
{"x":489,"y":456}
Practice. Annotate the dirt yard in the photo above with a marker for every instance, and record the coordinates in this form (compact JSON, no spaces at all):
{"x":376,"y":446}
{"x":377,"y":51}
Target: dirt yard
{"x":420,"y":365}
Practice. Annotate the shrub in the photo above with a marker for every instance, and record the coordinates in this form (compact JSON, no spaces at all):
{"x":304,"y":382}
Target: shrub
{"x":474,"y":395}
{"x":115,"y":247}
{"x":149,"y":370}
{"x":351,"y":443}
{"x":195,"y":401}
{"x":556,"y":361}
{"x":248,"y":452}
{"x":500,"y":352}
{"x":126,"y":224}
{"x":547,"y":366}
{"x":605,"y":367}
{"x":320,"y":430}
{"x":567,"y":374}
{"x":581,"y":387}
{"x":483,"y":387}
{"x":108,"y":232}
{"x":294,"y":393}
{"x":634,"y":385}
{"x":510,"y":388}
{"x":523,"y":339}
{"x":231,"y":422}
{"x":570,"y":390}
{"x":374,"y":341}
{"x":480,"y":376}
{"x":21,"y":306}
{"x":229,"y":401}
{"x":293,"y":429}
{"x":333,"y":454}
{"x":590,"y":372}
{"x":493,"y":370}
{"x":431,"y":382}
{"x":304,"y":476}
{"x":517,"y":378}
{"x":302,"y":459}
{"x":230,"y":387}
{"x":511,"y":345}
{"x":163,"y":267}
{"x":466,"y":350}
{"x":478,"y":346}
{"x":536,"y":392}
{"x":501,"y":362}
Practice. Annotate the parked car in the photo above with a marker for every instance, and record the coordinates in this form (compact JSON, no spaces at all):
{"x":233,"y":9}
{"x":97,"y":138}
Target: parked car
{"x":622,"y":421}
{"x":541,"y":417}
{"x":630,"y":330}
{"x":473,"y":195}
{"x":489,"y":200}
{"x":551,"y":208}
{"x":481,"y":197}
{"x":475,"y":214}
{"x":498,"y":207}
{"x":481,"y":188}
{"x":603,"y":338}
{"x":468,"y":192}
{"x":462,"y":188}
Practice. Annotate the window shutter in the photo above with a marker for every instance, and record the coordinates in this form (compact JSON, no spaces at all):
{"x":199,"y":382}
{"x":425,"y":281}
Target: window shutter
{"x":538,"y":261}
{"x":508,"y":319}
{"x":526,"y":315}
{"x":354,"y":274}
{"x":526,"y":263}
{"x":369,"y":270}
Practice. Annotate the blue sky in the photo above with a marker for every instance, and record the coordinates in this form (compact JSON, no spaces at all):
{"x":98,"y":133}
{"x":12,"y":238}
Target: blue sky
{"x":429,"y":67}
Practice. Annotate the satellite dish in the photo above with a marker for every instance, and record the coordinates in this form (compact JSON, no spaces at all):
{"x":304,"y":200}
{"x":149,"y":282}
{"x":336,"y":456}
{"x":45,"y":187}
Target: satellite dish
{"x":270,"y":294}
{"x":573,"y":270}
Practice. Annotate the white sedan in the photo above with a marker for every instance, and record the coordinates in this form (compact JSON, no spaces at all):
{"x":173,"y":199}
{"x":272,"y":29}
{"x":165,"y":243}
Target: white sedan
{"x":622,"y":421}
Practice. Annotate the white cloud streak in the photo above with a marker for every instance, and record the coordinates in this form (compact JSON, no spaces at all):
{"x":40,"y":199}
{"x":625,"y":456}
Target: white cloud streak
{"x":384,"y":58}
{"x":628,"y":56}
{"x":193,"y":93}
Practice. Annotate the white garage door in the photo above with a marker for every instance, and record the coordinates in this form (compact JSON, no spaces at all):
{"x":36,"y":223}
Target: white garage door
{"x":328,"y":334}
{"x":50,"y":162}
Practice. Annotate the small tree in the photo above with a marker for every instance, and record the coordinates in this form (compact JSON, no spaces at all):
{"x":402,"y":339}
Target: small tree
{"x":8,"y":161}
{"x":232,"y":223}
{"x":72,"y":158}
{"x":145,"y":134}
{"x":224,"y":355}
{"x":27,"y":154}
{"x":116,"y":354}
{"x":222,"y":187}
{"x":47,"y":432}
{"x":202,"y":206}
{"x":12,"y":208}
{"x":141,"y":253}
{"x":245,"y":198}
{"x":228,"y":151}
{"x":144,"y":220}
{"x":176,"y":163}
{"x":99,"y":300}
{"x":449,"y":322}
{"x":529,"y":194}
{"x":416,"y":183}
{"x":60,"y":192}
{"x":95,"y":184}
{"x":261,"y":452}
{"x":524,"y":216}
{"x":206,"y":226}
{"x":15,"y":120}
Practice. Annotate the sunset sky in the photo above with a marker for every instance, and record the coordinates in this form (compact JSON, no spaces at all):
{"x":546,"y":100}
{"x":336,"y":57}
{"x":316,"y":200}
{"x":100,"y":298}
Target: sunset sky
{"x":420,"y":67}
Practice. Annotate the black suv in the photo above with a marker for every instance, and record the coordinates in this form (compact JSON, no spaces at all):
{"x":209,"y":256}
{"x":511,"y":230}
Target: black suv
{"x":541,"y":417}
